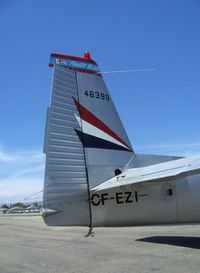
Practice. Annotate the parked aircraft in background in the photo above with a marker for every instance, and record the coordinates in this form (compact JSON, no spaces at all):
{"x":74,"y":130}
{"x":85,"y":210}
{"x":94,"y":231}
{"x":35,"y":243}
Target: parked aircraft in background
{"x":93,"y":177}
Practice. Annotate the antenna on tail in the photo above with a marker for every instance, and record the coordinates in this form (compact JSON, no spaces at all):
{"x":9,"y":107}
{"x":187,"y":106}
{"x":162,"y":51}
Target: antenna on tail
{"x":127,"y":71}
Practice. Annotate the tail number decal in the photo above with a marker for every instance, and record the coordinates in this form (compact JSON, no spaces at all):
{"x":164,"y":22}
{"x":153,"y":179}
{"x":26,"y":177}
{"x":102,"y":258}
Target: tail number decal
{"x":118,"y":197}
{"x":97,"y":95}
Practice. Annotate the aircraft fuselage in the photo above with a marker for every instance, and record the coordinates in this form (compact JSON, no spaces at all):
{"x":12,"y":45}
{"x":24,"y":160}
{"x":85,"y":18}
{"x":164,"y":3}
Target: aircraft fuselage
{"x":170,"y":202}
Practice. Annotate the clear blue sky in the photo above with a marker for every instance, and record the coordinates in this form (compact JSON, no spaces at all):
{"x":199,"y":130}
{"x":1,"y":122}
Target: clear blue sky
{"x":160,"y":110}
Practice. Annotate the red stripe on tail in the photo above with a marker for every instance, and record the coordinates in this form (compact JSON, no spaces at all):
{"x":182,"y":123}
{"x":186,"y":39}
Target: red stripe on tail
{"x":92,"y":119}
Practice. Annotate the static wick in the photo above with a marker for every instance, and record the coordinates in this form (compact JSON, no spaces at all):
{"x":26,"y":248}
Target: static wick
{"x":127,"y":71}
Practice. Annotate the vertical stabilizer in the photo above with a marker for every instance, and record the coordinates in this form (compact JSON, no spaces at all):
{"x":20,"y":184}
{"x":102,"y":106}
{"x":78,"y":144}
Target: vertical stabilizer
{"x":85,"y":142}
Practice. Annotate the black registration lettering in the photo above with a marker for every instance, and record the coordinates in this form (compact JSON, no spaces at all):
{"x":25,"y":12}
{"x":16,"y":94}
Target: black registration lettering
{"x":119,"y":196}
{"x":104,"y":197}
{"x":95,"y":199}
{"x":128,"y":197}
{"x":136,"y":196}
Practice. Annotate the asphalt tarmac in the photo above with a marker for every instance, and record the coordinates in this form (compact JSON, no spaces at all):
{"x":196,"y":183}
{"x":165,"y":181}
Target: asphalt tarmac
{"x":27,"y":245}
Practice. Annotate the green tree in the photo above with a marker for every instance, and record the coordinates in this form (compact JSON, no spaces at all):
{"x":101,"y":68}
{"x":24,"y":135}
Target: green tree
{"x":19,"y":204}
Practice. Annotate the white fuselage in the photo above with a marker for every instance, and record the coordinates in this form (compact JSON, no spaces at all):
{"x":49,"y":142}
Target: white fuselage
{"x":170,"y":202}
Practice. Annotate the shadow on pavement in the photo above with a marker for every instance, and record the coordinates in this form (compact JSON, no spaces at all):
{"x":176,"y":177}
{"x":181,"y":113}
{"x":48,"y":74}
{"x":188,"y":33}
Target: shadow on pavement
{"x":184,"y":241}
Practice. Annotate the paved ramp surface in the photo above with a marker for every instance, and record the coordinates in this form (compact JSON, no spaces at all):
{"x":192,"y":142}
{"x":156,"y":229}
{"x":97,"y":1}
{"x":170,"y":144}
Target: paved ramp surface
{"x":27,"y":245}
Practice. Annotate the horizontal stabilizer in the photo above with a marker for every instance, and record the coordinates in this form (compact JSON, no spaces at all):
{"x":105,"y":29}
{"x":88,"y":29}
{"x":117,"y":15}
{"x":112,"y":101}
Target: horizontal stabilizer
{"x":155,"y":173}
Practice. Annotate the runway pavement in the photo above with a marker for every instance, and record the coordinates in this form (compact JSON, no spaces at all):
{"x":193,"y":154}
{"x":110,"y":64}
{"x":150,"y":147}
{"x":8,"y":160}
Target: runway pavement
{"x":27,"y":245}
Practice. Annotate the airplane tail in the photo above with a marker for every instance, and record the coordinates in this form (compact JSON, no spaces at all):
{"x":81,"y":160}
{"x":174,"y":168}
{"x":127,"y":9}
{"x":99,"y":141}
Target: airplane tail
{"x":85,"y":141}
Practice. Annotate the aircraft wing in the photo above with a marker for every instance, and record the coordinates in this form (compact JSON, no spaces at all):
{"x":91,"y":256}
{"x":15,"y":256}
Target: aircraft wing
{"x":154,"y":173}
